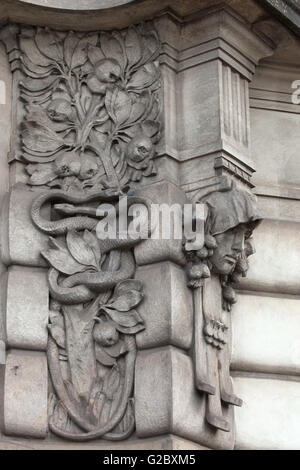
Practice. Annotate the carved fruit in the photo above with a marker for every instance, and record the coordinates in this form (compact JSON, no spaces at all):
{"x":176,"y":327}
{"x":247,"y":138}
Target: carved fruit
{"x":210,"y":241}
{"x":229,"y":294}
{"x":203,"y":253}
{"x":139,"y":149}
{"x":67,"y":164}
{"x":205,"y":271}
{"x":88,"y":168}
{"x":198,"y":271}
{"x":60,"y":110}
{"x":107,"y":70}
{"x":105,"y":334}
{"x":195,"y":271}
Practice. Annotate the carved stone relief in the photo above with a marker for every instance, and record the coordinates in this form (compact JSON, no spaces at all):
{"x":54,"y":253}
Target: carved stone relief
{"x":90,"y":113}
{"x":213,"y":270}
{"x":91,"y":106}
{"x":89,"y":119}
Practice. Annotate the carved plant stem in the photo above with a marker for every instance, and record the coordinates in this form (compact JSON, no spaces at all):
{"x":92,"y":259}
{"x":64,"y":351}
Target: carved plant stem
{"x":105,"y":155}
{"x":119,"y":414}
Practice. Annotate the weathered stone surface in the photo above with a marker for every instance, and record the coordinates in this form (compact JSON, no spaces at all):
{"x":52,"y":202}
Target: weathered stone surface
{"x":167,"y":401}
{"x":168,"y":442}
{"x":5,"y":124}
{"x":162,"y":249}
{"x":266,"y":334}
{"x":269,"y":418}
{"x":271,"y":137}
{"x":274,"y":267}
{"x":167,"y":309}
{"x":27,"y":308}
{"x":25,"y":394}
{"x":21,"y":242}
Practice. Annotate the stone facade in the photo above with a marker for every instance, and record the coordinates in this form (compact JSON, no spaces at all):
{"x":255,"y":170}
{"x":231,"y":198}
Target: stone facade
{"x":136,"y":342}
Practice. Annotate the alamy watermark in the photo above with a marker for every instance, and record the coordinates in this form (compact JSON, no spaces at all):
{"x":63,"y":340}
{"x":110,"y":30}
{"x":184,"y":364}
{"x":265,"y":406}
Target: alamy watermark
{"x":296,"y":93}
{"x":161,"y":222}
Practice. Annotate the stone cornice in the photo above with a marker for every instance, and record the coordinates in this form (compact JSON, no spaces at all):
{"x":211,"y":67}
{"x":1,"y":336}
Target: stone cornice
{"x":287,"y":11}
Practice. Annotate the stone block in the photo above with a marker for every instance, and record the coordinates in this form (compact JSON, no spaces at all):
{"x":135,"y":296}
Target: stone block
{"x":25,"y":394}
{"x":269,"y":417}
{"x":166,"y":400}
{"x":167,"y":308}
{"x":266,"y":334}
{"x":275,"y":267}
{"x":21,"y":241}
{"x":27,"y":308}
{"x":163,"y":248}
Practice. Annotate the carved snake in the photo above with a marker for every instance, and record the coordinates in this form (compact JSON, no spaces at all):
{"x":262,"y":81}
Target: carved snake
{"x":81,"y":287}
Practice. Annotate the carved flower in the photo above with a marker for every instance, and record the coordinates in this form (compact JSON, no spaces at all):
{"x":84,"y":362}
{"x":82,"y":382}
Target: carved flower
{"x":106,"y":72}
{"x":139,"y":154}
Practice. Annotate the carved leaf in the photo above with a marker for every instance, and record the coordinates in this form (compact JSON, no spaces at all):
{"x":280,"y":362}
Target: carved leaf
{"x":124,"y":319}
{"x":80,"y":53}
{"x":122,"y":107}
{"x":127,"y":300}
{"x":103,"y":357}
{"x":49,"y":44}
{"x":133,"y":47}
{"x":95,"y":54}
{"x":137,"y":111}
{"x":128,"y":285}
{"x":60,"y":258}
{"x":111,"y":48}
{"x":130,"y":330}
{"x":150,"y":128}
{"x":142,"y":78}
{"x":80,"y":249}
{"x":70,"y":44}
{"x":39,"y":84}
{"x":40,"y":174}
{"x":92,"y":241}
{"x":34,"y":70}
{"x":37,"y":114}
{"x":39,"y":138}
{"x":29,"y":46}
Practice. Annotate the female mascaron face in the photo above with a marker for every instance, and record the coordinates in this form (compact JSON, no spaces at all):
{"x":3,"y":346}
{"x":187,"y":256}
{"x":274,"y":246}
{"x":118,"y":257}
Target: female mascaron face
{"x":230,"y":246}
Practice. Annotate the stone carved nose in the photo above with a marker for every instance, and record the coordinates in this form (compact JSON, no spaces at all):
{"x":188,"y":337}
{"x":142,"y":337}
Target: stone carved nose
{"x":239,"y":242}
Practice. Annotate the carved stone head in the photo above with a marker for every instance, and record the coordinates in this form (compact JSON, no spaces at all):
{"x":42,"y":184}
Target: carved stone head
{"x":232,"y":217}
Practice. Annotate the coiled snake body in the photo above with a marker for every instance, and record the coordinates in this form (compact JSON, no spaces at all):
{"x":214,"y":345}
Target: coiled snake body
{"x":81,"y":287}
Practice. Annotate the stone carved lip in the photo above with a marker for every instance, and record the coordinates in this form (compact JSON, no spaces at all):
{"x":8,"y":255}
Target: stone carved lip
{"x":231,"y":259}
{"x":78,"y":4}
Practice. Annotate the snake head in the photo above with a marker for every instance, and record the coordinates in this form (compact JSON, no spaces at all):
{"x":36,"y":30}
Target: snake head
{"x":65,"y":208}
